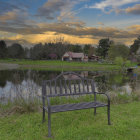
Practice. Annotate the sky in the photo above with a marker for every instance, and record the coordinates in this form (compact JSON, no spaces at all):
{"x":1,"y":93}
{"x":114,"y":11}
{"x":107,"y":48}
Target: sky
{"x":75,"y":21}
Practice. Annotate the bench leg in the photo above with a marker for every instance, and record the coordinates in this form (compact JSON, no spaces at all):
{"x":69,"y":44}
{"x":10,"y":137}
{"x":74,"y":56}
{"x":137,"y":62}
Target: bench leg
{"x":108,"y":114}
{"x":43,"y":120}
{"x":49,"y":123}
{"x":95,"y":111}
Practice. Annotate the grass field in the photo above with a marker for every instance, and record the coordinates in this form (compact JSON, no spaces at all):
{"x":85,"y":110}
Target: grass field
{"x":75,"y":125}
{"x":61,"y":65}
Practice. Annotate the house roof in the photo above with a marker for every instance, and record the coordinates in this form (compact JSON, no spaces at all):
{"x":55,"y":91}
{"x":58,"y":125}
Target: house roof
{"x":74,"y":55}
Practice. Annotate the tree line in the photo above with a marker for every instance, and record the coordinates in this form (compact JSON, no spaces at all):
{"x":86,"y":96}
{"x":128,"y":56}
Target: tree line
{"x":106,"y":49}
{"x":40,"y":51}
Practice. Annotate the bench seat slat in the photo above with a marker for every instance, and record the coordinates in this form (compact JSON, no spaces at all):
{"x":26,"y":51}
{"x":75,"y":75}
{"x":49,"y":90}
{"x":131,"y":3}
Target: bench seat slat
{"x":77,"y":106}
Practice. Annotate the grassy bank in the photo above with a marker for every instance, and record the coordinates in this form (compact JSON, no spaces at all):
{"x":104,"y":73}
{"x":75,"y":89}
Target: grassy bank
{"x":75,"y":125}
{"x":34,"y":104}
{"x":60,"y":65}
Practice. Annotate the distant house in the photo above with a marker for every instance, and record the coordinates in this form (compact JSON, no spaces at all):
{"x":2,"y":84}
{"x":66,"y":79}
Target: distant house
{"x":85,"y":58}
{"x":94,"y":58}
{"x":72,"y":56}
{"x":52,"y":56}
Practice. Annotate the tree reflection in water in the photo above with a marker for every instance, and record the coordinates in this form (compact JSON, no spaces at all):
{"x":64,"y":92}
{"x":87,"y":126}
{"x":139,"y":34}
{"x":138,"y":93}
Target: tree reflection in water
{"x":27,"y":83}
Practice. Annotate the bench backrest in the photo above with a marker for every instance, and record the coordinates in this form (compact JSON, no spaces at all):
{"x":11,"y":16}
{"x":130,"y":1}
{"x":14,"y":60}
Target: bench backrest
{"x":67,"y":84}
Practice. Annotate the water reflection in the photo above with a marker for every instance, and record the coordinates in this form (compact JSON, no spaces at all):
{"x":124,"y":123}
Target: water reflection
{"x":27,"y":83}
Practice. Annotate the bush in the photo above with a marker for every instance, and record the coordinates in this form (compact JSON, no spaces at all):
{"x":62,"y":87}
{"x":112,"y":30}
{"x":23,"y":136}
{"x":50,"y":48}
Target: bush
{"x":119,"y":61}
{"x":128,"y":63}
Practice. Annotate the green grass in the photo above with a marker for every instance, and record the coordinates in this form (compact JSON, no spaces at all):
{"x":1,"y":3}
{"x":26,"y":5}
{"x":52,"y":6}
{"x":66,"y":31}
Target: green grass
{"x":75,"y":125}
{"x":58,"y":65}
{"x":61,"y":65}
{"x":21,"y":105}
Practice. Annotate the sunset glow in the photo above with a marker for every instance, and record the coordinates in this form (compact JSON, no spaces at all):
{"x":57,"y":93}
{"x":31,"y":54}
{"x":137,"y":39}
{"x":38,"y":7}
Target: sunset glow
{"x":78,"y":22}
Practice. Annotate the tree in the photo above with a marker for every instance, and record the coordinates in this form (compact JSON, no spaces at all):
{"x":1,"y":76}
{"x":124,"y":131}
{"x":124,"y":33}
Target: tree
{"x":135,"y":46}
{"x":103,"y":47}
{"x":16,"y":51}
{"x":38,"y":52}
{"x":76,"y":48}
{"x":119,"y":61}
{"x":3,"y":49}
{"x":91,"y":51}
{"x":86,"y":48}
{"x":60,"y":49}
{"x":118,"y":51}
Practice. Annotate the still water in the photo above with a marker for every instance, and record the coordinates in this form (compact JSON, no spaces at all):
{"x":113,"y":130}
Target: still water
{"x":27,"y":83}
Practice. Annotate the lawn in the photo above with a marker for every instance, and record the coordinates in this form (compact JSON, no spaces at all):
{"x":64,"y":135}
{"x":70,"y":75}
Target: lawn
{"x":61,"y":65}
{"x":75,"y":125}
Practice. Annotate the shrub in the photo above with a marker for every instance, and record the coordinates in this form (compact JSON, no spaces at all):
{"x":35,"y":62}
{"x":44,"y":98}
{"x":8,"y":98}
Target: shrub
{"x":128,"y":63}
{"x":119,"y":61}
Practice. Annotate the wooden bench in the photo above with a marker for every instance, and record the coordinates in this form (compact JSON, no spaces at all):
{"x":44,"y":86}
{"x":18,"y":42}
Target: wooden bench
{"x":69,"y":84}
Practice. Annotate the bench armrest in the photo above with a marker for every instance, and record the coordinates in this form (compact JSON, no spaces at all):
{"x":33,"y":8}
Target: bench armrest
{"x":105,"y":95}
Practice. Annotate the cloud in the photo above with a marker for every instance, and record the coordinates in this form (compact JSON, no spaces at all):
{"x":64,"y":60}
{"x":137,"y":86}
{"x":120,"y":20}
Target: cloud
{"x":70,"y":28}
{"x":18,"y":24}
{"x":40,"y":28}
{"x":111,"y":4}
{"x":10,"y":15}
{"x":58,"y":8}
{"x":5,"y":7}
{"x":73,"y":34}
{"x":133,"y":10}
{"x":49,"y":9}
{"x":30,"y":40}
{"x":100,"y":23}
{"x":134,"y":29}
{"x":15,"y":20}
{"x":10,"y":6}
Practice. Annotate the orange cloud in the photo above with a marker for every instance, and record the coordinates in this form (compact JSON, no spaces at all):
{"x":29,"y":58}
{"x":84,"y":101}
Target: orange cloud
{"x":11,"y":15}
{"x":133,"y":10}
{"x":51,"y":37}
{"x":75,"y":33}
{"x":134,"y":27}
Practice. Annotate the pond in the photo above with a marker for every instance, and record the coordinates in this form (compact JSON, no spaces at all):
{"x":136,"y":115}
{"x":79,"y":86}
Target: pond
{"x":27,"y":83}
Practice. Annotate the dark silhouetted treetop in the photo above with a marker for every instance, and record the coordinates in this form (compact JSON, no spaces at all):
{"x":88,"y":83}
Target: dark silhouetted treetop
{"x":16,"y":51}
{"x":135,"y":46}
{"x":103,"y":47}
{"x":3,"y":49}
